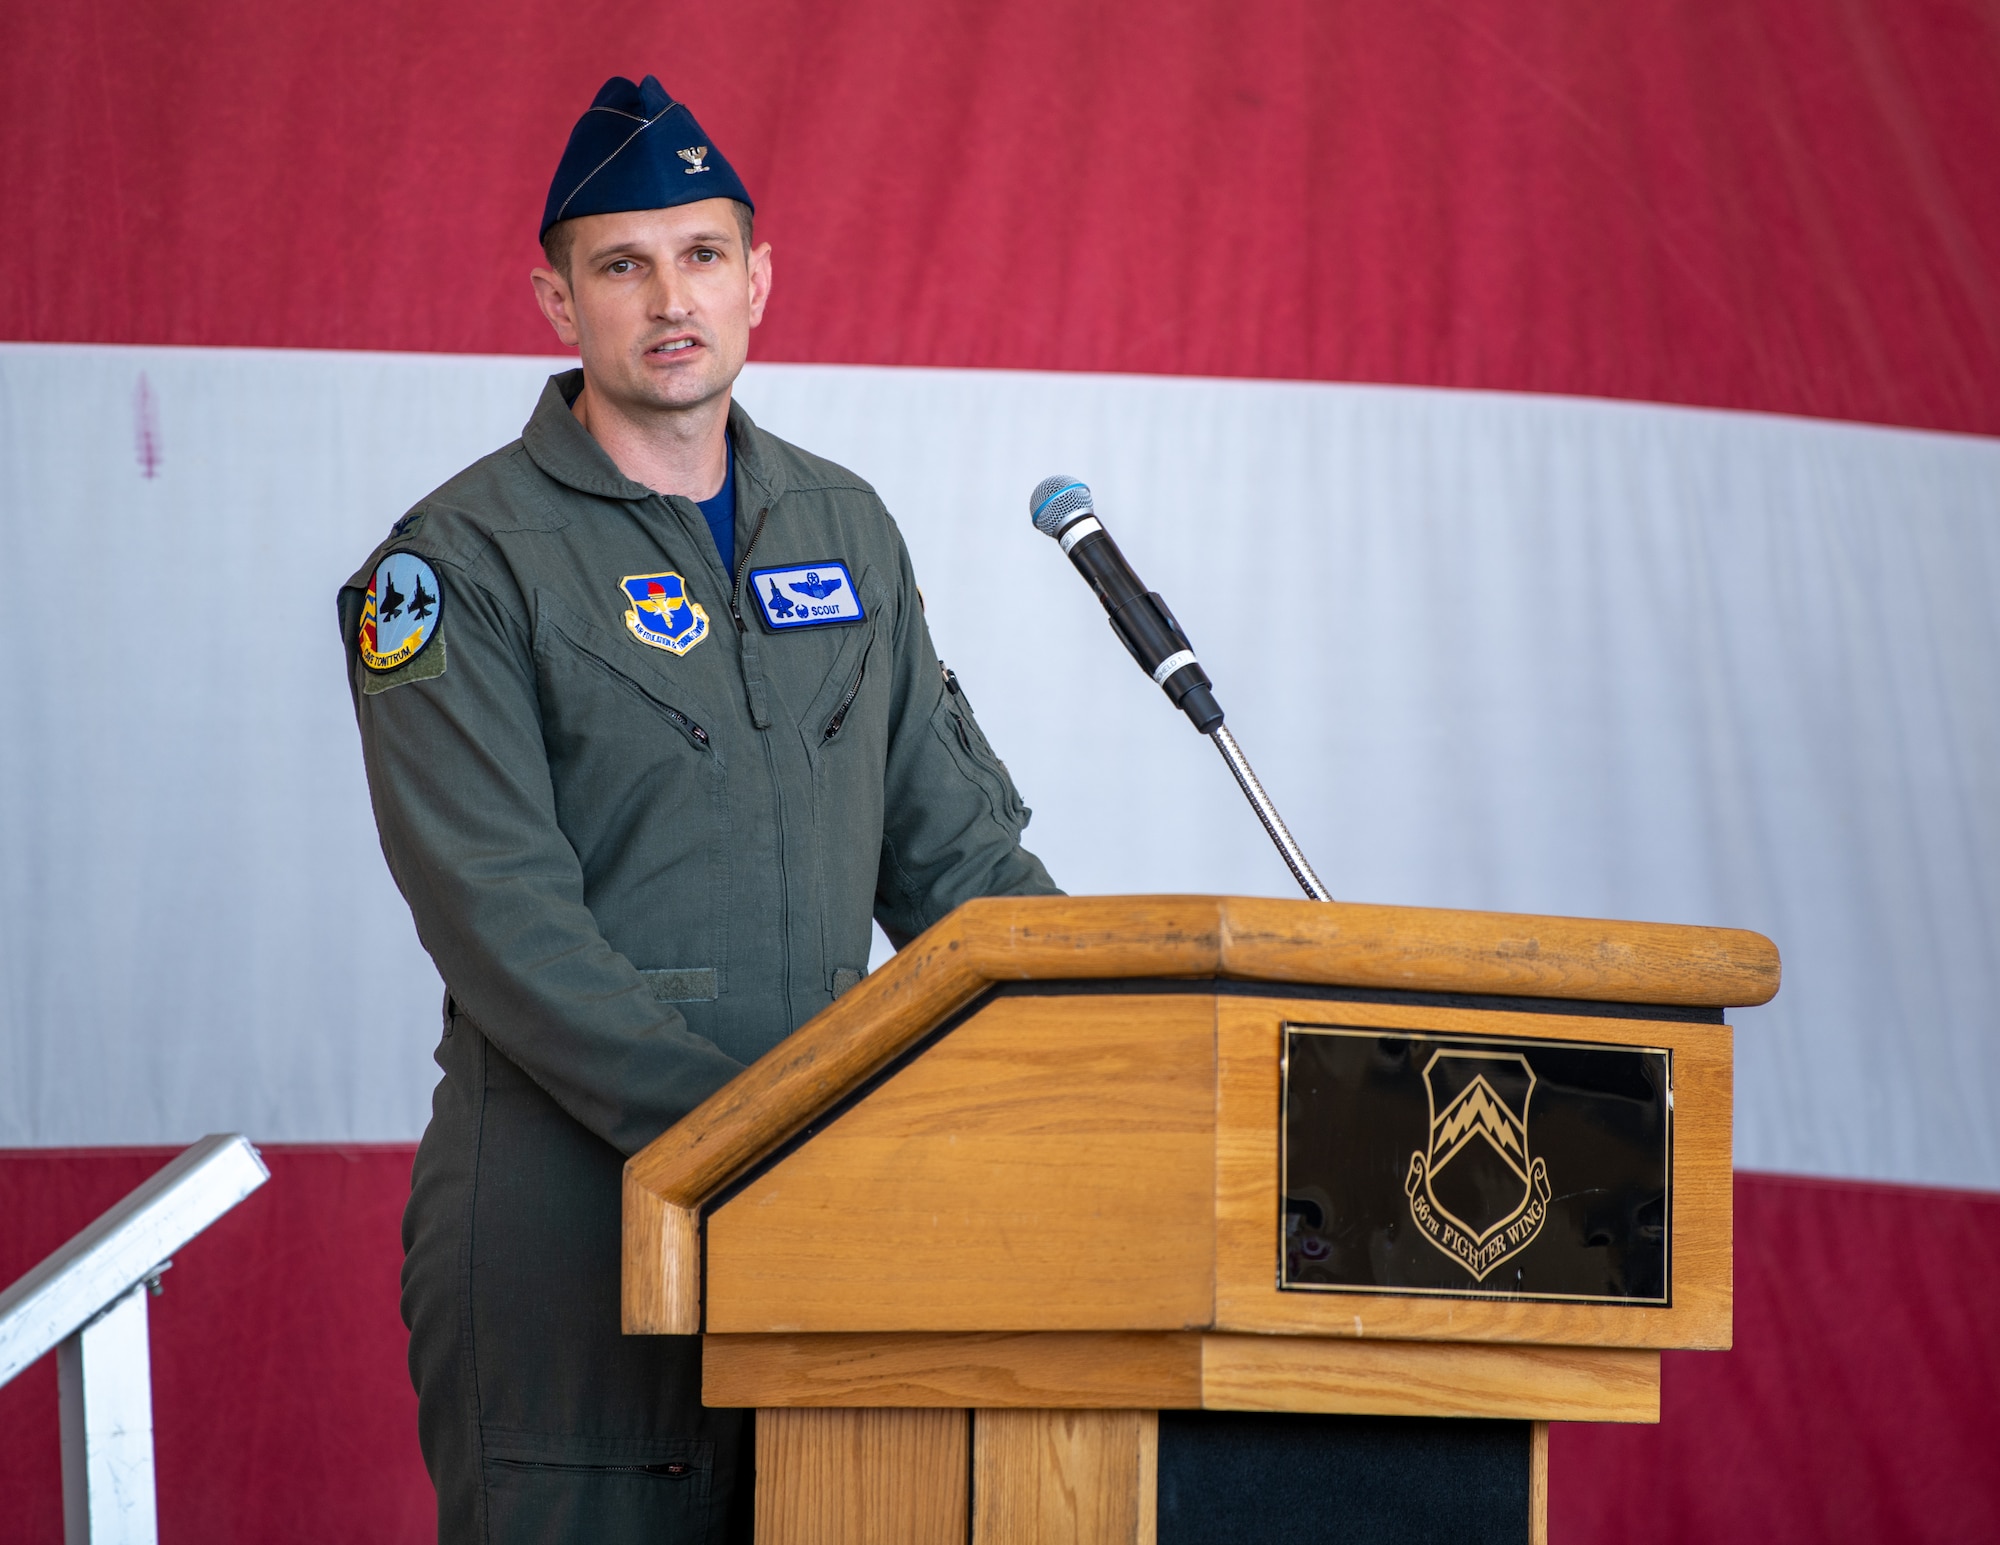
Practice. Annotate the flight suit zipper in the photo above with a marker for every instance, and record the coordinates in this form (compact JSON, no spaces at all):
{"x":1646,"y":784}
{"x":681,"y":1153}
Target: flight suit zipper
{"x":753,"y":688}
{"x":974,"y":745}
{"x":747,"y":650}
{"x":742,"y":568}
{"x":672,"y":1469}
{"x":847,"y":698}
{"x":694,"y":731}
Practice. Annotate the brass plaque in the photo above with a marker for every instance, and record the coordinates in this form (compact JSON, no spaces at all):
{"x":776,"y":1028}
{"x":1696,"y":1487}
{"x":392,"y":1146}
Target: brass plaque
{"x":1475,"y":1166}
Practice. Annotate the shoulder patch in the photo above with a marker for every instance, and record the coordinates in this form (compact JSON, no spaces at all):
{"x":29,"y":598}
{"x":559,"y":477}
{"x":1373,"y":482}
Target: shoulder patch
{"x":807,"y":595}
{"x":400,"y":616}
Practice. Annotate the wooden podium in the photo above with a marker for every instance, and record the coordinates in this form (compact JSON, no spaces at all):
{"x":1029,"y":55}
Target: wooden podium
{"x":1000,"y":1244}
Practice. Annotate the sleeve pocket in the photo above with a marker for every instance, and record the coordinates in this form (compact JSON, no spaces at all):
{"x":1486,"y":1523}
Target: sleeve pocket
{"x":962,"y":737}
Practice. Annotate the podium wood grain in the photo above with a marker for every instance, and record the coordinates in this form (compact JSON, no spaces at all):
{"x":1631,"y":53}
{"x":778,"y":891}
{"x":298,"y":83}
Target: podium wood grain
{"x":861,"y":1477}
{"x":1050,"y":1165}
{"x":1108,"y":1369}
{"x":1185,"y":1371}
{"x":1065,"y":1477}
{"x":1538,"y":1484}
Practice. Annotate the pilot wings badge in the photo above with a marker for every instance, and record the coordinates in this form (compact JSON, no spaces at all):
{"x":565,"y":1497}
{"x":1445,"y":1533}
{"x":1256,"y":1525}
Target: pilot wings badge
{"x":662,"y":612}
{"x":1475,"y":1193}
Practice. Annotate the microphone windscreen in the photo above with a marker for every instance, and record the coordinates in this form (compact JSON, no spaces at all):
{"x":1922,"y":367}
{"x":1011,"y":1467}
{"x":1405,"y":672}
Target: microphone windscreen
{"x":1058,"y":502}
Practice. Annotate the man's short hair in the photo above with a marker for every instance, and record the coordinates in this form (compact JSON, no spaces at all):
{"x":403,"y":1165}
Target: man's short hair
{"x":559,"y":241}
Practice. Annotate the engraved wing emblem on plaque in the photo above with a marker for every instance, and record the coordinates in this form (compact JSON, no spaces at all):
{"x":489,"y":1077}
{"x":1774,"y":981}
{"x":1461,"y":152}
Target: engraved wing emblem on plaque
{"x":1475,"y":1192}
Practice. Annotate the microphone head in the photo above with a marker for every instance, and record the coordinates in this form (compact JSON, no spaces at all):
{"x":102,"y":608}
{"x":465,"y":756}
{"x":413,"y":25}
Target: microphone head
{"x":1058,"y":503}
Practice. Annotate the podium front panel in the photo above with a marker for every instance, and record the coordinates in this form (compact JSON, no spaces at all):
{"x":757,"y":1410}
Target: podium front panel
{"x":1111,"y":1157}
{"x":1048,"y":1164}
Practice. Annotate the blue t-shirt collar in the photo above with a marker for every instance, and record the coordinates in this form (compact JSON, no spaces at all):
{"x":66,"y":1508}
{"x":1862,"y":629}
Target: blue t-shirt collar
{"x":720,"y":513}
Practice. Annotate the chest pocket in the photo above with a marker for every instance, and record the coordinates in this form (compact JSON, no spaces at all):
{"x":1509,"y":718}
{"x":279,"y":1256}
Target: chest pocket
{"x":586,"y":683}
{"x":639,"y":789}
{"x":837,"y":676}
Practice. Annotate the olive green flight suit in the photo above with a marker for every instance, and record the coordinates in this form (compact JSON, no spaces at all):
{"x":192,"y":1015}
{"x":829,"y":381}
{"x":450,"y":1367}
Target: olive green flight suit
{"x":637,"y":872}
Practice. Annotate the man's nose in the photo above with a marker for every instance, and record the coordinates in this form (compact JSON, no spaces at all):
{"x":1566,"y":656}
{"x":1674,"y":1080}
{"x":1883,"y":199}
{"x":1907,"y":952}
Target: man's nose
{"x":670,"y":297}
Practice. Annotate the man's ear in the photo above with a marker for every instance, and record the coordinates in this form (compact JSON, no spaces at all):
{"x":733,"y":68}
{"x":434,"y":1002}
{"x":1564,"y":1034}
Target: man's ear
{"x":760,"y":281}
{"x":552,"y":294}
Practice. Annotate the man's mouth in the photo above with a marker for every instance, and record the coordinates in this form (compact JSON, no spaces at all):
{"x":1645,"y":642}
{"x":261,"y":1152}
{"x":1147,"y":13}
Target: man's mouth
{"x":673,"y":346}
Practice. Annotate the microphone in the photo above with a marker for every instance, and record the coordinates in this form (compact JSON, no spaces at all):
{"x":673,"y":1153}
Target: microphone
{"x":1061,"y":507}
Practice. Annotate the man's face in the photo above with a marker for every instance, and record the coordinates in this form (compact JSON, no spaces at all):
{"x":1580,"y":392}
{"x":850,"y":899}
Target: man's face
{"x":660,"y":303}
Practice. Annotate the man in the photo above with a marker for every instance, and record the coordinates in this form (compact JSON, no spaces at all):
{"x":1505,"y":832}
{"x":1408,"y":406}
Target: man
{"x":653,"y":726}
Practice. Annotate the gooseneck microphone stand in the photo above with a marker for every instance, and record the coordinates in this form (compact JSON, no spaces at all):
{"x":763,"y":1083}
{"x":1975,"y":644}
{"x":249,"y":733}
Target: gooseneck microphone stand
{"x":1061,"y":507}
{"x":1274,"y":824}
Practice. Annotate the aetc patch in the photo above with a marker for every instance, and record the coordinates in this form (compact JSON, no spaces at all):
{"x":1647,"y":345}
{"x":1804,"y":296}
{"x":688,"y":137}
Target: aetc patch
{"x":662,"y":612}
{"x":807,"y":596}
{"x":401,"y":615}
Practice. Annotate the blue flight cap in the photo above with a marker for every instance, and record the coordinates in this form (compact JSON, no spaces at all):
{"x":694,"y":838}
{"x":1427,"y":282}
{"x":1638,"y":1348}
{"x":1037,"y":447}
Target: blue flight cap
{"x":637,"y":148}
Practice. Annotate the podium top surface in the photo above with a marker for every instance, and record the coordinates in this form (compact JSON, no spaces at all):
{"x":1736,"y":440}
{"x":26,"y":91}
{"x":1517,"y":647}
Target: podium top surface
{"x":1285,"y":943}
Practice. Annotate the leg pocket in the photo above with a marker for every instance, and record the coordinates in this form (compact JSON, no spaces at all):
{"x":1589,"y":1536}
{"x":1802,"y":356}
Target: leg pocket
{"x":534,"y":1502}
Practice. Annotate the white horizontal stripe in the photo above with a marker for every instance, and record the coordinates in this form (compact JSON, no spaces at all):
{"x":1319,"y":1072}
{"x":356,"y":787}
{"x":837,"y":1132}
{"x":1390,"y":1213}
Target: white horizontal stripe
{"x":1527,"y":653}
{"x":1172,"y":663}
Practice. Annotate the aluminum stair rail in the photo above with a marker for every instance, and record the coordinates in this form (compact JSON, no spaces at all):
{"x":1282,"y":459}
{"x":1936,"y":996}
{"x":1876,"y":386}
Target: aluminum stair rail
{"x":87,"y":1303}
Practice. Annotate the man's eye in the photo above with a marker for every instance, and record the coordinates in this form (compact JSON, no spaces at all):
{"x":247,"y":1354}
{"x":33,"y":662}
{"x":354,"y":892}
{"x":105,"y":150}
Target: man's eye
{"x":706,"y":254}
{"x":621,"y":266}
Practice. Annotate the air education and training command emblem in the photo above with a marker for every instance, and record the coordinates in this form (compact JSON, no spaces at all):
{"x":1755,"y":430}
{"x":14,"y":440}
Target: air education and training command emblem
{"x":1475,"y":1193}
{"x":662,"y":612}
{"x":401,"y":614}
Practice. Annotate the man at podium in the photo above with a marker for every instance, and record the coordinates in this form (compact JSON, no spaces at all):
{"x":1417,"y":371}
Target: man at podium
{"x":653,"y":728}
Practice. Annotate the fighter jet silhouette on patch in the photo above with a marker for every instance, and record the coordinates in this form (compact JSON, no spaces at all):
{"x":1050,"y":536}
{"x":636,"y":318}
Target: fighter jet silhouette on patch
{"x":819,"y":589}
{"x":423,"y":603}
{"x":393,"y":600}
{"x":780,"y":606}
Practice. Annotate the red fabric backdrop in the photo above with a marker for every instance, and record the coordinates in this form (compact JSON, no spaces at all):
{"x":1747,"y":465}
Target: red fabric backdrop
{"x":1854,"y":1408}
{"x":282,"y":1411}
{"x":1856,"y":1405}
{"x":1782,"y":205}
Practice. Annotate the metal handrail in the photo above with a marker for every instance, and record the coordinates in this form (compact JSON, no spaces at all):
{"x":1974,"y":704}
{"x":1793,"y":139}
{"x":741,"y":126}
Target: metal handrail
{"x":87,"y":1303}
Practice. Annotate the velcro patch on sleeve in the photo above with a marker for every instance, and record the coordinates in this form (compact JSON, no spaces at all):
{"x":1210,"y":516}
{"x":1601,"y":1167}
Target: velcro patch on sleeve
{"x":426,"y":665}
{"x":807,"y":595}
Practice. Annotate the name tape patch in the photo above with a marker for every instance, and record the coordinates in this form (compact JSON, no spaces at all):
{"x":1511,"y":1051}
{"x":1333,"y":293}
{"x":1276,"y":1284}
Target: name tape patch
{"x":807,"y":595}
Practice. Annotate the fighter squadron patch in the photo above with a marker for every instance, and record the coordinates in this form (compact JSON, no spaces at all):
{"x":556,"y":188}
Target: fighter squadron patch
{"x":662,"y":612}
{"x":809,"y":595}
{"x":401,"y":614}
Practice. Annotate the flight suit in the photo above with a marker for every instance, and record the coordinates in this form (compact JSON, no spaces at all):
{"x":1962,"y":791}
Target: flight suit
{"x":637,"y":870}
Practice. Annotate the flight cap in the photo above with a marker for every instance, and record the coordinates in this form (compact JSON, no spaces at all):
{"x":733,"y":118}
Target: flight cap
{"x":635,"y":147}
